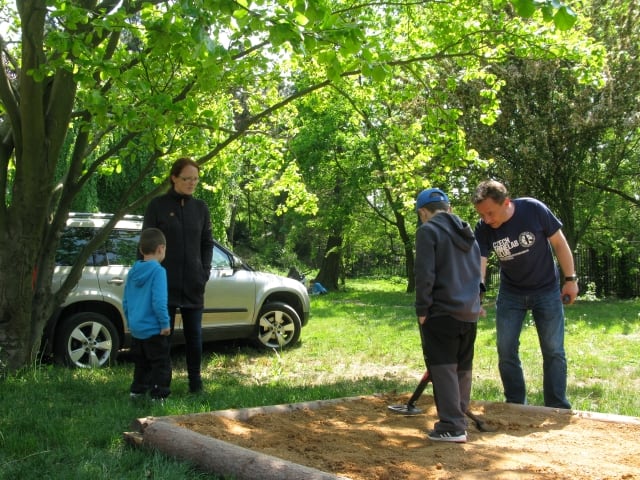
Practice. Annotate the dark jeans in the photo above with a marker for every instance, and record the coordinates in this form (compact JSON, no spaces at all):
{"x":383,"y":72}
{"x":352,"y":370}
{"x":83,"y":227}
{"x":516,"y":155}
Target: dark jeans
{"x":152,"y":371}
{"x":192,"y":330}
{"x":448,"y":348}
{"x":548,"y":316}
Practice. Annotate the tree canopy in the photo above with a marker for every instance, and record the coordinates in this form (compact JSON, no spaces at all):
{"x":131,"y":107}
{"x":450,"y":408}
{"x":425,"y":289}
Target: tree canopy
{"x":91,"y":89}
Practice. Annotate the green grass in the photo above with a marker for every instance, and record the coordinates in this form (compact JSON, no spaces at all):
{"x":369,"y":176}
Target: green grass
{"x":68,"y":424}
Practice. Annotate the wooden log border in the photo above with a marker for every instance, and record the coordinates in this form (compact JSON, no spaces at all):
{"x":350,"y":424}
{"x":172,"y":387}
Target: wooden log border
{"x":223,"y":458}
{"x":596,"y":416}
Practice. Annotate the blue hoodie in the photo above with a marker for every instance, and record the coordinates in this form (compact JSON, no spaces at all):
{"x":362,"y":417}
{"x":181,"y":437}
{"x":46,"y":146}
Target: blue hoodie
{"x":145,"y":300}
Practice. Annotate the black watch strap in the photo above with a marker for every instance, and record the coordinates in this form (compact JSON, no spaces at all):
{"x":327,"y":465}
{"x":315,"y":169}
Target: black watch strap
{"x":571,"y":278}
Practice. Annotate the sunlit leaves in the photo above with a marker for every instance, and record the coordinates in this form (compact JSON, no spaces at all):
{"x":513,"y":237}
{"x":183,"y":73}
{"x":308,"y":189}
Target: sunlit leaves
{"x":177,"y":63}
{"x":376,"y":71}
{"x":525,"y":8}
{"x":284,"y":33}
{"x":556,"y":11}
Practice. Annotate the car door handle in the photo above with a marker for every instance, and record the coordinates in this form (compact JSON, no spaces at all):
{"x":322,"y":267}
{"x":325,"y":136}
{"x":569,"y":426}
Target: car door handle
{"x":115,"y":281}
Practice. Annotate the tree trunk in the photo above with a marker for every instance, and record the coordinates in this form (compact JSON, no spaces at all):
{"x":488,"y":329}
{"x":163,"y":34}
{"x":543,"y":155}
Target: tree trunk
{"x":329,"y":273}
{"x":17,"y":344}
{"x":410,"y":267}
{"x":408,"y":244}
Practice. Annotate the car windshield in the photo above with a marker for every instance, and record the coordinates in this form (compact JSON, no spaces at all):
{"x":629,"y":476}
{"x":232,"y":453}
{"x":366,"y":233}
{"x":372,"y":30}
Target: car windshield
{"x":223,"y":259}
{"x":220,"y":259}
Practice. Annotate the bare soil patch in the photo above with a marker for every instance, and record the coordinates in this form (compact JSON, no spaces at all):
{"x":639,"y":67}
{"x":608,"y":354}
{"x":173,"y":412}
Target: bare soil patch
{"x":362,"y":440}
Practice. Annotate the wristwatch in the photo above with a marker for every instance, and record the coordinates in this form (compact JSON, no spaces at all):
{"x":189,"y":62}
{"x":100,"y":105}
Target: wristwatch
{"x":571,"y":278}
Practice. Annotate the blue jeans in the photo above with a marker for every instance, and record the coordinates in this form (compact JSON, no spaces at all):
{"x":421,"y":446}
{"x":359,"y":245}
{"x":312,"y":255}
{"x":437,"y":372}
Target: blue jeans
{"x":548,"y":315}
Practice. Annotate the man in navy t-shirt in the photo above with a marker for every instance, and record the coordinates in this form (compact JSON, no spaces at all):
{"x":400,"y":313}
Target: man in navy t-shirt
{"x":524,"y":235}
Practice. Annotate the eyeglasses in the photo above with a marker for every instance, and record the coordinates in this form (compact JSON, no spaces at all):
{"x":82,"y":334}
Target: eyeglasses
{"x":190,"y":179}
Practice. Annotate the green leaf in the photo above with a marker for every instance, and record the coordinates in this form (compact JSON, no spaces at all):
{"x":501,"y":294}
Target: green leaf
{"x":37,"y":74}
{"x":547,"y":13}
{"x":282,"y":33}
{"x":333,"y":67}
{"x":525,"y":8}
{"x":240,"y":13}
{"x":315,"y":12}
{"x":565,"y":18}
{"x":376,"y":71}
{"x":301,"y":19}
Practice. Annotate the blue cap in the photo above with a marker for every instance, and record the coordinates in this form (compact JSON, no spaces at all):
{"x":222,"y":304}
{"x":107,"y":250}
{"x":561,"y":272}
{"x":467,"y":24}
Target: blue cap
{"x":430,"y":195}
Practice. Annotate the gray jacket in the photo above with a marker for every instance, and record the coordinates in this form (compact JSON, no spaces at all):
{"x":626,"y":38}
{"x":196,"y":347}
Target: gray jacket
{"x":447,"y":269}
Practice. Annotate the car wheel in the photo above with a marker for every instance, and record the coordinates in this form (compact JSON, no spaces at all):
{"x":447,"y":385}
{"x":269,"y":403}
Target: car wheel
{"x":87,"y":340}
{"x":278,"y":326}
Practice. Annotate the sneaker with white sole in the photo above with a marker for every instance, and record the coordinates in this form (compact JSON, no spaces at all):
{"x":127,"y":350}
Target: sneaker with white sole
{"x":455,"y":437}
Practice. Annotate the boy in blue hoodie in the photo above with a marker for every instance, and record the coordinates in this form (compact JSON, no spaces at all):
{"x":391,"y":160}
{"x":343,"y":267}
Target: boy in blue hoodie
{"x":145,"y":306}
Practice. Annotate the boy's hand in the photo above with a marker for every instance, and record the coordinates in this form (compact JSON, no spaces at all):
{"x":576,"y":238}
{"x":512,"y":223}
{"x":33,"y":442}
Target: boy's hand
{"x":165,"y":332}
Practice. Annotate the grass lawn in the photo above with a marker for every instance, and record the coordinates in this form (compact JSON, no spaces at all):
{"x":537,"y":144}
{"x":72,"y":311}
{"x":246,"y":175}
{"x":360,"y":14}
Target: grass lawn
{"x":66,"y":424}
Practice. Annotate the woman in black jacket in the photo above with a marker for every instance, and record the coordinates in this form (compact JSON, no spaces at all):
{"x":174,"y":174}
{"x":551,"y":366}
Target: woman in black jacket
{"x":186,"y":223}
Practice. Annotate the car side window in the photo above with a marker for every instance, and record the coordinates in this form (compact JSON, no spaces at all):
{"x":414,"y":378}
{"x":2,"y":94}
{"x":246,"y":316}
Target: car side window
{"x":72,"y":241}
{"x":122,"y":247}
{"x":220,"y":259}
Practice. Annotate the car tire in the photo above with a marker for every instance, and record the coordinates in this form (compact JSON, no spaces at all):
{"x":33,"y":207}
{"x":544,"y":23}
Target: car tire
{"x":278,"y":326}
{"x":87,"y":340}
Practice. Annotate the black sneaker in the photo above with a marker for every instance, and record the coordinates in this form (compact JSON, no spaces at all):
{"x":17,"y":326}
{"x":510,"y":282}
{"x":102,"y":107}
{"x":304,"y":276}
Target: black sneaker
{"x":195,"y":386}
{"x":455,"y":437}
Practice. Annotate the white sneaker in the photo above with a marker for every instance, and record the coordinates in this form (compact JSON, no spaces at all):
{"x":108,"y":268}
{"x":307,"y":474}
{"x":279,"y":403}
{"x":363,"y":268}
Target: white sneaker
{"x":455,"y":437}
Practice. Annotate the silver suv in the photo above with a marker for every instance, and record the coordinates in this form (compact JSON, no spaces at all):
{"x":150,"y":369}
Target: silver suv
{"x":89,"y":329}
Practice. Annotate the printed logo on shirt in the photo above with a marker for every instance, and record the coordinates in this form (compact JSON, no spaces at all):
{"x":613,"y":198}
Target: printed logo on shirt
{"x":527,"y":239}
{"x":505,"y":246}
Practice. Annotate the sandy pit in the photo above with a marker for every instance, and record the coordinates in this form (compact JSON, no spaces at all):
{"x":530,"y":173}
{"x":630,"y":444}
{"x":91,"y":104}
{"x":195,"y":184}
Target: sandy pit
{"x":359,"y":438}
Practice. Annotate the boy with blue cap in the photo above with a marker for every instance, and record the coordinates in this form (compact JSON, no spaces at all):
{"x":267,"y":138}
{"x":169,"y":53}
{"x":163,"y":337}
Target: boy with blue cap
{"x":448,"y":287}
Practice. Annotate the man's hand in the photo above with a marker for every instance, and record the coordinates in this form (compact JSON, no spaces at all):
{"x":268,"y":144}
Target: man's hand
{"x":165,"y":332}
{"x":569,"y":292}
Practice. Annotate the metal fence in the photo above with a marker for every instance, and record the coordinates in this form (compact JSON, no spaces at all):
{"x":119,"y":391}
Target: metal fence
{"x":602,"y":274}
{"x":376,"y":266}
{"x":609,"y":275}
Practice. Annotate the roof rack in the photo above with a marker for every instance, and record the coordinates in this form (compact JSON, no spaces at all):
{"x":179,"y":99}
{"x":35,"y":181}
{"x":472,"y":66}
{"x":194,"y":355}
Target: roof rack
{"x":102,"y":215}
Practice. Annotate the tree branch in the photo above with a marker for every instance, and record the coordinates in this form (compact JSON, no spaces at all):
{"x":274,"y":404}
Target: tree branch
{"x":625,"y":196}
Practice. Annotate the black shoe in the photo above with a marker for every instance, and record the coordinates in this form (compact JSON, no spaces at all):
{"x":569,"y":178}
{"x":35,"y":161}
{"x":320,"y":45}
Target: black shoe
{"x":455,"y":437}
{"x":195,"y":386}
